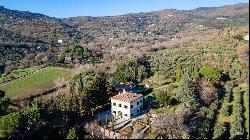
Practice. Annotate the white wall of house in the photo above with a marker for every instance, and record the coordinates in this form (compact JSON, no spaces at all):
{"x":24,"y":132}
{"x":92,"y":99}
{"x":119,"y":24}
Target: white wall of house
{"x":125,"y":112}
{"x":137,"y":107}
{"x":124,"y":108}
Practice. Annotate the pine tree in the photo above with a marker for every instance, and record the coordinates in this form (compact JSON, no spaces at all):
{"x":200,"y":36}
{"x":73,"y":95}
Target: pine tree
{"x":186,"y":92}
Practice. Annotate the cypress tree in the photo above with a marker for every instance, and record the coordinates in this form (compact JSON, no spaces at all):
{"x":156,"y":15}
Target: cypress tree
{"x":99,"y":118}
{"x":113,"y":123}
{"x":195,"y":72}
{"x":107,"y":121}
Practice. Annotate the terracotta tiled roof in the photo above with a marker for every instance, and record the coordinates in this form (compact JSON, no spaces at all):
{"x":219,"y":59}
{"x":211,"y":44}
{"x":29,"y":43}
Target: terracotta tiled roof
{"x":126,"y":97}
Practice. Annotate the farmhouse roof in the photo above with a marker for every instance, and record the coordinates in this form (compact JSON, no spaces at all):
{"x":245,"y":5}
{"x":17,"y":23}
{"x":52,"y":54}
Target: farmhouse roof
{"x":126,"y":97}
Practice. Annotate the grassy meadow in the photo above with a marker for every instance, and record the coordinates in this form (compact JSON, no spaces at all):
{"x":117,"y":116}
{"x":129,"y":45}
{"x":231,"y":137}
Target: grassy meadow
{"x":35,"y":83}
{"x":17,"y":73}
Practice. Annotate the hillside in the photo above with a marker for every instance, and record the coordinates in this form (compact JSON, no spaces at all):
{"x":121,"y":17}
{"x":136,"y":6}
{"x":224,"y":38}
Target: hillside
{"x":37,"y":35}
{"x":183,"y":75}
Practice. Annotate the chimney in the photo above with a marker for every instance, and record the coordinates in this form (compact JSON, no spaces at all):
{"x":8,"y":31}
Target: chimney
{"x":124,"y":90}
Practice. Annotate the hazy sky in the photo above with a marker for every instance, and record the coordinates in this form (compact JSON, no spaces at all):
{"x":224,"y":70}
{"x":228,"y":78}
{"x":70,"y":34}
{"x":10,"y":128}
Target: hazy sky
{"x":69,"y":8}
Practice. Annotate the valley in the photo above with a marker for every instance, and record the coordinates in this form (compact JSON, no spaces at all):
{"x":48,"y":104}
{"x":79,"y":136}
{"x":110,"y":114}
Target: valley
{"x":191,"y":68}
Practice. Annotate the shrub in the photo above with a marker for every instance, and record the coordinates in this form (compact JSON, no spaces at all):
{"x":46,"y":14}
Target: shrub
{"x":72,"y":134}
{"x":227,"y":98}
{"x":237,"y":130}
{"x":225,"y":110}
{"x":219,"y":130}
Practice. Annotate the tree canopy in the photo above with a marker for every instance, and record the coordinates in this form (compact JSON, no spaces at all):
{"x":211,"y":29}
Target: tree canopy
{"x":130,"y":70}
{"x":210,"y":73}
{"x":186,"y":92}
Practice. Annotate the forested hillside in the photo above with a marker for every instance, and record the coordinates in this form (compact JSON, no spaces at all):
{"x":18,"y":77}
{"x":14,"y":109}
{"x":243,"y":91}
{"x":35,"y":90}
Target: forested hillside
{"x":38,"y":35}
{"x":191,"y":66}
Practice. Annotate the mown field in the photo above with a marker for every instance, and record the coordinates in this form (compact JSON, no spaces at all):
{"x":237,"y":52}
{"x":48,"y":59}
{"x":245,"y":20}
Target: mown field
{"x":17,"y":73}
{"x":35,"y":83}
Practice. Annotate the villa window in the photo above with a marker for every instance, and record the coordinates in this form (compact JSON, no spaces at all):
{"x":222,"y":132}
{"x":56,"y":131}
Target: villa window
{"x":132,"y":115}
{"x":137,"y":103}
{"x":120,"y":105}
{"x":114,"y":104}
{"x":138,"y":111}
{"x":140,"y":101}
{"x":131,"y":106}
{"x":126,"y":115}
{"x":125,"y":106}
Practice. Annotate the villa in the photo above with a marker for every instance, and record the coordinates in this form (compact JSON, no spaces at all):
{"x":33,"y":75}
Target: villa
{"x":126,"y":105}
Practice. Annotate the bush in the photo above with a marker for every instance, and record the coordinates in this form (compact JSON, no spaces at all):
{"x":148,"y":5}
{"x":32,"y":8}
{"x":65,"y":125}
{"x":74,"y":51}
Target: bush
{"x":237,"y":130}
{"x":72,"y":134}
{"x":219,"y":130}
{"x":229,"y":85}
{"x":228,"y":97}
{"x":225,"y":110}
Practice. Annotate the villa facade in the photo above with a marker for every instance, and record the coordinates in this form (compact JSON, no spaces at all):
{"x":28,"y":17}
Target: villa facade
{"x":126,"y":105}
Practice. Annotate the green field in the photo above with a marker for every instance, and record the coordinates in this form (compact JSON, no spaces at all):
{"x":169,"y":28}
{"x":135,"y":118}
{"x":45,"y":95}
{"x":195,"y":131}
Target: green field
{"x":17,"y":73}
{"x":38,"y":82}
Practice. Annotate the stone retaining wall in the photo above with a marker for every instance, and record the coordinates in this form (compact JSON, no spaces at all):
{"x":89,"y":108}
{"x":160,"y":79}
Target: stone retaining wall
{"x":101,"y":132}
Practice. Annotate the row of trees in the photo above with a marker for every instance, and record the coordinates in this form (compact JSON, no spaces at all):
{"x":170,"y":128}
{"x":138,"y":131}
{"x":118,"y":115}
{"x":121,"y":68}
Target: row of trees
{"x":205,"y":119}
{"x":218,"y":55}
{"x":237,"y":127}
{"x":221,"y":129}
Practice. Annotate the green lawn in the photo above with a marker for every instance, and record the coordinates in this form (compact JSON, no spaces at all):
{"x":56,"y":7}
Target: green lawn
{"x":36,"y":83}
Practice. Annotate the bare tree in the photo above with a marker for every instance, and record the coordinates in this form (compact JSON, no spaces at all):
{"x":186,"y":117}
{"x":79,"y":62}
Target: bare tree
{"x":170,"y":126}
{"x":136,"y":134}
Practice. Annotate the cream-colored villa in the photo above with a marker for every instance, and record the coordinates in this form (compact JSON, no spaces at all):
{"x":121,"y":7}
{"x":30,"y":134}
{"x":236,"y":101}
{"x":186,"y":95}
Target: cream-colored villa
{"x":126,"y":105}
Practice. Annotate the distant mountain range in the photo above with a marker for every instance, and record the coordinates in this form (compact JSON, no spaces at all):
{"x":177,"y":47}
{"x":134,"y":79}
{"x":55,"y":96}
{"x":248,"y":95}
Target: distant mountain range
{"x":40,"y":33}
